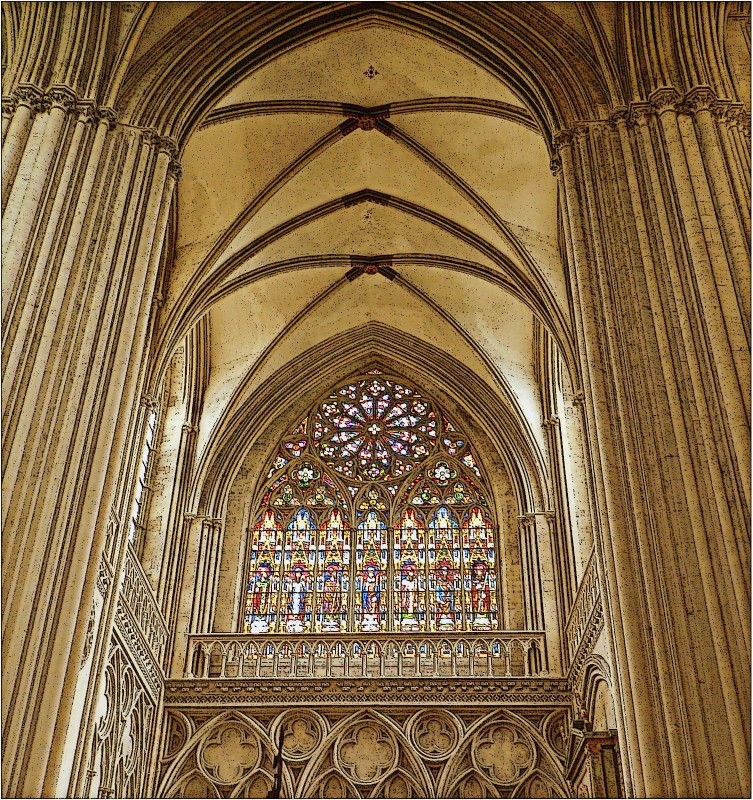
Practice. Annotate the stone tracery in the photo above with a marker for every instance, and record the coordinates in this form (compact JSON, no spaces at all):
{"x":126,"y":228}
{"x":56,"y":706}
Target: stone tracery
{"x":638,"y":346}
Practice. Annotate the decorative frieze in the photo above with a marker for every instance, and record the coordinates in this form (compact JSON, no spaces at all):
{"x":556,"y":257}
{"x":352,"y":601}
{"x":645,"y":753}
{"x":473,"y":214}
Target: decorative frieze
{"x":586,"y":621}
{"x":136,"y":593}
{"x":138,"y":648}
{"x":305,"y":691}
{"x":366,"y":752}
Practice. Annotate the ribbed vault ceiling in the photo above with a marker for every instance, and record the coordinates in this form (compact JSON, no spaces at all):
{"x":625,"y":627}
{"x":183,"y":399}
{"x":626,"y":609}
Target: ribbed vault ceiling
{"x":369,"y":176}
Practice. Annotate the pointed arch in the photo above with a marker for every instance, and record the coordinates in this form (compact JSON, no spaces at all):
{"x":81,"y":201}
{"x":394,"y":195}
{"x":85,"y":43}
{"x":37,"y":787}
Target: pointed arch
{"x":372,"y":515}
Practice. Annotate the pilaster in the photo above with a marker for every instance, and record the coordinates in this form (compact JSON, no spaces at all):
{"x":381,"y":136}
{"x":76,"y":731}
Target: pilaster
{"x":82,"y":252}
{"x":656,"y":281}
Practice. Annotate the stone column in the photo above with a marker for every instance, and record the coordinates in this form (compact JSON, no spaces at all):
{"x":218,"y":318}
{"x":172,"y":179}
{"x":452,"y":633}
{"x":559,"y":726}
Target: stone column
{"x":84,"y":242}
{"x":661,"y":346}
{"x":207,"y":573}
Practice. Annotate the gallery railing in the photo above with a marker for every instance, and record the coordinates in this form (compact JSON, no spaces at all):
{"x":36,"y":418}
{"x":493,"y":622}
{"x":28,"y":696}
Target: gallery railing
{"x":353,"y":655}
{"x":140,"y":601}
{"x":584,"y":604}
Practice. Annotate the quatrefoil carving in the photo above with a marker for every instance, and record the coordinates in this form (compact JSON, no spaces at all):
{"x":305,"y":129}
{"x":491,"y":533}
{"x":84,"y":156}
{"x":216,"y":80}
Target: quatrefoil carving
{"x":503,"y":754}
{"x":366,"y":753}
{"x":230,"y":754}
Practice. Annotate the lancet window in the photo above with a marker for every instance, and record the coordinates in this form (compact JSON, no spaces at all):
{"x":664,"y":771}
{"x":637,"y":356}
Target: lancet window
{"x":373,"y":517}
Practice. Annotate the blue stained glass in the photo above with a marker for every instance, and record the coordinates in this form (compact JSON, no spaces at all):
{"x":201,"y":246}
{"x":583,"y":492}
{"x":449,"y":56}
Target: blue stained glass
{"x":342,"y":542}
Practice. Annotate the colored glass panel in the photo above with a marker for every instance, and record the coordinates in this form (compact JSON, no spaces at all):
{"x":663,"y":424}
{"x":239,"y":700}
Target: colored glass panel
{"x":373,"y":517}
{"x":371,"y":573}
{"x":333,"y":572}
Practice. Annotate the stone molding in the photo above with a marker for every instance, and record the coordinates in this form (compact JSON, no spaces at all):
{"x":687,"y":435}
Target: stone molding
{"x":697,"y":100}
{"x":393,"y":691}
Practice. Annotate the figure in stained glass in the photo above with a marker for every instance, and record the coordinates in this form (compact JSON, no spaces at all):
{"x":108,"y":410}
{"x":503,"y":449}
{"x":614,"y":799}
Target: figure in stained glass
{"x":478,"y":548}
{"x":300,"y":555}
{"x":480,"y":596}
{"x":371,"y":591}
{"x":260,"y":596}
{"x":444,"y":559}
{"x":444,"y":593}
{"x":334,"y":561}
{"x":409,"y":579}
{"x":408,"y":593}
{"x":338,"y":477}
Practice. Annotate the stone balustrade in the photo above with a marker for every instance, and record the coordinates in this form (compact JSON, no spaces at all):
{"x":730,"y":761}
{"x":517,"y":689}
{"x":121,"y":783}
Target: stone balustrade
{"x":354,"y":655}
{"x":140,"y":601}
{"x":583,"y":608}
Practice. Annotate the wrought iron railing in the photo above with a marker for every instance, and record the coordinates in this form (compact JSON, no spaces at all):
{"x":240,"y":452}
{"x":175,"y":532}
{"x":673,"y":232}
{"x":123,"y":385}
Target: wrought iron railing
{"x":353,"y":655}
{"x":584,"y":604}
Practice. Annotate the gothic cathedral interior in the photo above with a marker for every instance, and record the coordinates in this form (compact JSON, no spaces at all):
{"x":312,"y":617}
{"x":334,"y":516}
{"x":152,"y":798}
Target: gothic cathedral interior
{"x":376,"y":399}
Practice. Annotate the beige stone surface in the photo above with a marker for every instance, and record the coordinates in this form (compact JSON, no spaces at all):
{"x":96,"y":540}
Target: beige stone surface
{"x":535,"y":215}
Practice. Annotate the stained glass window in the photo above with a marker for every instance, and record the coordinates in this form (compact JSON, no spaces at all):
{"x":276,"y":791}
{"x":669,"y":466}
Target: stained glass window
{"x":373,"y":517}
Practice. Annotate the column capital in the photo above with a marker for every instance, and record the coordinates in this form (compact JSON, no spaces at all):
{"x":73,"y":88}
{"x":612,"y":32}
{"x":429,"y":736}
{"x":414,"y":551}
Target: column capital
{"x":620,"y":114}
{"x":563,"y":138}
{"x":578,"y":398}
{"x":149,"y":401}
{"x":62,"y":97}
{"x":87,"y":111}
{"x":175,"y":170}
{"x":639,"y":113}
{"x":10,"y":102}
{"x":27,"y":94}
{"x":701,"y":98}
{"x":666,"y":98}
{"x":108,"y":116}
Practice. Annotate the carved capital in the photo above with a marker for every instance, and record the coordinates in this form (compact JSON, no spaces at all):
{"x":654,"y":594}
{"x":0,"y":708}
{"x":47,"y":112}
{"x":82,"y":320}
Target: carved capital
{"x":639,"y":114}
{"x":150,"y":137}
{"x":563,"y":138}
{"x":664,"y":99}
{"x":29,"y":95}
{"x":175,"y":170}
{"x":579,"y":397}
{"x":87,"y":111}
{"x":720,"y":109}
{"x":619,"y":115}
{"x":168,"y":145}
{"x":9,"y":105}
{"x":552,"y":422}
{"x":188,"y":428}
{"x":149,"y":401}
{"x":699,"y":99}
{"x":108,"y":116}
{"x":744,"y":123}
{"x":62,"y":97}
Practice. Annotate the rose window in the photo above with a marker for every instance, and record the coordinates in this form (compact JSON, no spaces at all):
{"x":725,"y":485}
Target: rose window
{"x":375,"y":429}
{"x":373,"y":517}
